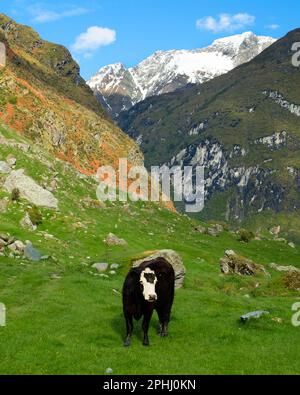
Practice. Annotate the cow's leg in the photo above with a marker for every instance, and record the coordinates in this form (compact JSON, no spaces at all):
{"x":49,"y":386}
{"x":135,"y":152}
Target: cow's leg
{"x":164,"y":318}
{"x":129,"y":328}
{"x":146,"y":323}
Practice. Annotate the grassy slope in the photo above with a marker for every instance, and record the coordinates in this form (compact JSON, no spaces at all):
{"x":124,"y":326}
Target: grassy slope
{"x":74,"y":324}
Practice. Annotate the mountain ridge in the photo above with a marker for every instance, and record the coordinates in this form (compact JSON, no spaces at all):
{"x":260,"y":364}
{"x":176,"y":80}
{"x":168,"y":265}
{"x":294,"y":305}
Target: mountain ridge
{"x":119,"y":88}
{"x":243,"y":127}
{"x":44,"y":97}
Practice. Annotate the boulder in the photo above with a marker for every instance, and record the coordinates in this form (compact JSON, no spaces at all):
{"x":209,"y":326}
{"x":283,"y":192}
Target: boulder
{"x":253,"y":314}
{"x":101,"y":267}
{"x":4,"y":168}
{"x":173,"y":258}
{"x":235,"y":264}
{"x":113,"y":240}
{"x":30,"y":190}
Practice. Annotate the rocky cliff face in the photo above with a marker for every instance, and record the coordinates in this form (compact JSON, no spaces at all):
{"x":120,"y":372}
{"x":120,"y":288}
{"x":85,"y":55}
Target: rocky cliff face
{"x":118,"y":88}
{"x":43,"y":97}
{"x":243,"y":127}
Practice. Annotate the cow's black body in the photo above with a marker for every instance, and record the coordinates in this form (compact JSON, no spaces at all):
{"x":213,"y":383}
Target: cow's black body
{"x":134,"y":304}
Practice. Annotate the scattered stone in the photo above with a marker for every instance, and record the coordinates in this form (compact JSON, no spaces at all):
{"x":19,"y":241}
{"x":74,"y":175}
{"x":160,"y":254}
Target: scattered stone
{"x":173,"y":258}
{"x":282,"y":268}
{"x":11,"y":160}
{"x":3,"y":205}
{"x":55,"y":276}
{"x":292,"y":245}
{"x":114,"y":266}
{"x":113,"y":272}
{"x":101,"y":267}
{"x":31,"y":253}
{"x":214,"y":230}
{"x":253,"y":314}
{"x":109,"y":371}
{"x":30,"y":190}
{"x":17,"y":247}
{"x":235,"y":264}
{"x":26,"y":223}
{"x":275,"y":231}
{"x":113,"y":240}
{"x":4,"y":168}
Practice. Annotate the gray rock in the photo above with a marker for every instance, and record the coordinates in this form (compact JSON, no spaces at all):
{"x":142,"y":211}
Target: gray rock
{"x":11,"y":160}
{"x":292,"y":245}
{"x":282,"y":268}
{"x":229,"y":253}
{"x":26,"y":223}
{"x":4,"y":168}
{"x":31,"y":253}
{"x":235,"y":264}
{"x":101,"y":267}
{"x":113,"y":240}
{"x":17,"y":246}
{"x":253,"y":314}
{"x":173,"y":258}
{"x":109,"y":371}
{"x":114,"y":266}
{"x":30,"y":190}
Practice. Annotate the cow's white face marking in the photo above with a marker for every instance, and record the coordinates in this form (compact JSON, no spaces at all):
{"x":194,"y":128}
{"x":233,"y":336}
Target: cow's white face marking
{"x":148,"y":280}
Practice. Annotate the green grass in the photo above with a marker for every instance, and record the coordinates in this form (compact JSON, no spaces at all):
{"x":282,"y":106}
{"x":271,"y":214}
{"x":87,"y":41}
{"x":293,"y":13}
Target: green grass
{"x":74,"y":324}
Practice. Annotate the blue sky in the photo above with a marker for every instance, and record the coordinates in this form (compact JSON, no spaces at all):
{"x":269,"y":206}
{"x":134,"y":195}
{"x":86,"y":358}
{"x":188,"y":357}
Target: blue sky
{"x":99,"y":32}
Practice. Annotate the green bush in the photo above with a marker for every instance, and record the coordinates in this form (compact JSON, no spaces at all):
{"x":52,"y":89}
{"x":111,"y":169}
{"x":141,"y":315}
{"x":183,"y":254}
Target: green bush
{"x":15,"y":195}
{"x":35,"y":215}
{"x":245,"y":235}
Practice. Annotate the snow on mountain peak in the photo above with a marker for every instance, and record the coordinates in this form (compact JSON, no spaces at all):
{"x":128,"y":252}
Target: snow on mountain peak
{"x":166,"y":71}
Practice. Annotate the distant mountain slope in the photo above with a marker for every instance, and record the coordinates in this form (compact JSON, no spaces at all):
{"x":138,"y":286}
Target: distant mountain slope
{"x":244,"y":127}
{"x":44,"y":97}
{"x":118,"y":88}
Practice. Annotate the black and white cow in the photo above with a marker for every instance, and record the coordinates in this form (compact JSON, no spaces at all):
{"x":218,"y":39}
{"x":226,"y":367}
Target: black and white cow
{"x":147,"y":288}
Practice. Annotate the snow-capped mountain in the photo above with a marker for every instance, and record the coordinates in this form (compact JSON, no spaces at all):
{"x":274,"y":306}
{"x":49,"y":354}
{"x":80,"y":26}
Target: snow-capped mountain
{"x":119,"y":88}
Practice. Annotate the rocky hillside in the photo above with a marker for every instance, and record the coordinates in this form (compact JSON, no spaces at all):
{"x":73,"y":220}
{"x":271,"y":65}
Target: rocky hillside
{"x":43,"y":97}
{"x":243,"y":127}
{"x":118,"y":88}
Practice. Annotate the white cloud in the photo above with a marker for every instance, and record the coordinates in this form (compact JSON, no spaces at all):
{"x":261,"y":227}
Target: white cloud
{"x":225,"y":22}
{"x":274,"y":26}
{"x":44,"y":16}
{"x":94,"y":38}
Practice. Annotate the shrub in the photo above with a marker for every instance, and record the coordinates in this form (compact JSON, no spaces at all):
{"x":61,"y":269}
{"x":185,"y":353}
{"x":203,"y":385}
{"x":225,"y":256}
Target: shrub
{"x":245,"y":235}
{"x":35,"y":215}
{"x":15,"y":195}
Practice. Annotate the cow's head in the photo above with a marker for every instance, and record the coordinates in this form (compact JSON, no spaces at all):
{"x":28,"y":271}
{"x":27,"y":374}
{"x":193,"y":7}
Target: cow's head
{"x":148,"y":281}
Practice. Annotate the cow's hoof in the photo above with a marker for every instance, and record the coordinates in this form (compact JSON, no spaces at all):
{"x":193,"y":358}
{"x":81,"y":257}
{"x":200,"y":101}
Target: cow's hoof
{"x":163,"y":334}
{"x":127,"y":343}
